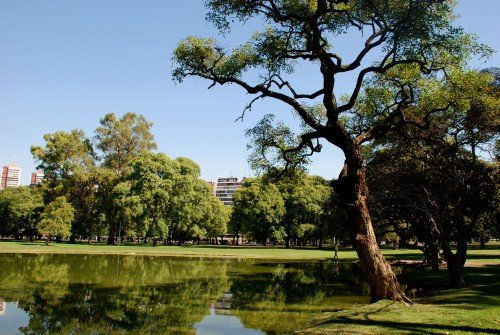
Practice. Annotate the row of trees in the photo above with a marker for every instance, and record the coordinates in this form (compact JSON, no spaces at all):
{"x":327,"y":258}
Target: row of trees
{"x":115,"y":185}
{"x":294,"y":208}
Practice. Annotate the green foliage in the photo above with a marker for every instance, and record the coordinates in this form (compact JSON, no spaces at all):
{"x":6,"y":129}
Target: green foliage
{"x":130,"y":191}
{"x":64,"y":154}
{"x":19,"y":211}
{"x":305,"y":211}
{"x":120,"y":140}
{"x":260,"y":208}
{"x":56,"y":218}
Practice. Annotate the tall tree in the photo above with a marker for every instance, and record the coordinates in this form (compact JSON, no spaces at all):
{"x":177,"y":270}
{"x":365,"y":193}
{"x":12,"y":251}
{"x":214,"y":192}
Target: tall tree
{"x":306,"y":199}
{"x":122,"y":139}
{"x":260,"y":208}
{"x":301,"y":31}
{"x":68,"y":161}
{"x":151,"y":179}
{"x":56,"y":219}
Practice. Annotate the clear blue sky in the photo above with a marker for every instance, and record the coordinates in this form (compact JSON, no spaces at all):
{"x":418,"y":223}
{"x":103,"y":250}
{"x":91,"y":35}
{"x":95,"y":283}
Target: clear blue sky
{"x":64,"y":64}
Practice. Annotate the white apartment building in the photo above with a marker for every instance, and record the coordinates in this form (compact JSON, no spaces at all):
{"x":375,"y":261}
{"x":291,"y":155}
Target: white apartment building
{"x":225,"y":188}
{"x":11,"y":176}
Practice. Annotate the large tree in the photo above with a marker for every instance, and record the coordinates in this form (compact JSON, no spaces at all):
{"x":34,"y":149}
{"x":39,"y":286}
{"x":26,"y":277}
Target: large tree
{"x":152,"y":179}
{"x":259,"y":206}
{"x":56,"y":219}
{"x":68,"y":161}
{"x":436,"y":154}
{"x":120,"y":141}
{"x":391,"y":33}
{"x":306,"y":199}
{"x":20,"y":209}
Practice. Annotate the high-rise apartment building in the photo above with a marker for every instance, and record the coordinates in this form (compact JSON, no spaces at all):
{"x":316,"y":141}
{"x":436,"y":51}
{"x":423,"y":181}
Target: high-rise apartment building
{"x":11,"y":176}
{"x":36,"y":178}
{"x":226,"y":187}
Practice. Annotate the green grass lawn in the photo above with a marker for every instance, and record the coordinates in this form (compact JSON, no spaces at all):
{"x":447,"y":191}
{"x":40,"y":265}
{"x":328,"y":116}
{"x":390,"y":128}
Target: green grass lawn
{"x":161,"y":250}
{"x":474,"y":309}
{"x":471,"y":310}
{"x":475,"y":255}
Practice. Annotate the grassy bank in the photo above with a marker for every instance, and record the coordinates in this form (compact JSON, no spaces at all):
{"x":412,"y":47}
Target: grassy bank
{"x":476,"y":257}
{"x":160,"y":250}
{"x":471,"y":310}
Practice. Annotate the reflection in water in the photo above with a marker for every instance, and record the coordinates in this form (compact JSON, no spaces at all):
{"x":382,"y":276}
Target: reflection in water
{"x":222,"y":324}
{"x":81,"y":294}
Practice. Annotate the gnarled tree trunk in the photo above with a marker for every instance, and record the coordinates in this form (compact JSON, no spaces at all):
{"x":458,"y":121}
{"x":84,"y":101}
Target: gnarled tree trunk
{"x":353,"y":190}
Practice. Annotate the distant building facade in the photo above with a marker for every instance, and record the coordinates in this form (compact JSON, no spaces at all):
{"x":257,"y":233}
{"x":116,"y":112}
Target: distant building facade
{"x":36,"y":178}
{"x":225,"y":188}
{"x":11,"y":176}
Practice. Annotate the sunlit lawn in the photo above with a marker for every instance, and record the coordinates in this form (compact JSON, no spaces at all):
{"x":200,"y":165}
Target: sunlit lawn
{"x":475,"y":255}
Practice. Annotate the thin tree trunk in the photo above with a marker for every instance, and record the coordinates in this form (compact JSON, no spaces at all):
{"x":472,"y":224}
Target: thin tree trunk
{"x":320,"y":243}
{"x":353,"y":190}
{"x":288,"y":232}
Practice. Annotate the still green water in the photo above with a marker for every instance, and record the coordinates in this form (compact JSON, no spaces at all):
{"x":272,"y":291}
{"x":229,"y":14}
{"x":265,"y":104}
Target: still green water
{"x":111,"y":294}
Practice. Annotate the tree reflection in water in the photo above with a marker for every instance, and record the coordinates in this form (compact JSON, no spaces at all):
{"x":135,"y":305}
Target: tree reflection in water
{"x":97,"y":294}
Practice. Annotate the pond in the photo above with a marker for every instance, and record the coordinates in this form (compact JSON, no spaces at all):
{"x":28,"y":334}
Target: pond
{"x":112,"y":294}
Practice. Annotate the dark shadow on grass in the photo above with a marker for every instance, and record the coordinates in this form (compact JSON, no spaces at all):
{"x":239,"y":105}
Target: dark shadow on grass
{"x":408,"y":326}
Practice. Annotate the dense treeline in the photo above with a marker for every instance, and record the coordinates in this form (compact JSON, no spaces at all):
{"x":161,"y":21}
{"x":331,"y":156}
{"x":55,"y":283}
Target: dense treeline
{"x":113,"y":185}
{"x":292,"y":208}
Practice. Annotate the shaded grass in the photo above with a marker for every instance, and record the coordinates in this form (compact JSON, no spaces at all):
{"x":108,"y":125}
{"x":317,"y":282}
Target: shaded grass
{"x":471,"y":310}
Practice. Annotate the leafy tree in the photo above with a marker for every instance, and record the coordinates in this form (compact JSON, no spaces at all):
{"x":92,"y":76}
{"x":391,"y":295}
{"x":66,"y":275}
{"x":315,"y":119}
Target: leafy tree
{"x":64,"y":154}
{"x":260,"y":208}
{"x":68,"y":161}
{"x":445,"y":141}
{"x":56,"y":219}
{"x":297,"y":32}
{"x":216,"y":218}
{"x":306,"y":199}
{"x":19,"y":211}
{"x":187,"y":201}
{"x":122,"y":139}
{"x":151,"y":179}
